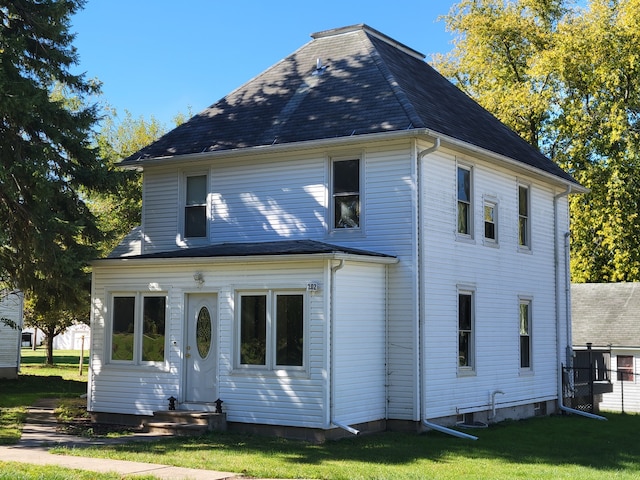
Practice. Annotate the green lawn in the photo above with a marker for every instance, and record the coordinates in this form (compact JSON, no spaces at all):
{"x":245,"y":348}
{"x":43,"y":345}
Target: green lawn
{"x":540,"y":448}
{"x":557,"y":447}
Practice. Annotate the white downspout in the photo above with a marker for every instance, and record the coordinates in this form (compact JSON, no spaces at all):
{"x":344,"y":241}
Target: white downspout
{"x":424,"y":421}
{"x":567,"y":292}
{"x":349,"y":429}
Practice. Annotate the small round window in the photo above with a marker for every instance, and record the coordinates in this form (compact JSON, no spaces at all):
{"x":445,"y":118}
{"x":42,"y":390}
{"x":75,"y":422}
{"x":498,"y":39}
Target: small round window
{"x":203,"y":332}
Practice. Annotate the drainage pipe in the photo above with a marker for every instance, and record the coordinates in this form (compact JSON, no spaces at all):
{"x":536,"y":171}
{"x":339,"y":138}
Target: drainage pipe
{"x":426,"y":423}
{"x":567,"y":293}
{"x":448,"y":431}
{"x":346,"y":427}
{"x":493,"y":403}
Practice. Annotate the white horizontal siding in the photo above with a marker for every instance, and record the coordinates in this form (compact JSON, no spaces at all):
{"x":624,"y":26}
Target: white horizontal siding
{"x":625,"y":394}
{"x":499,"y":277}
{"x":160,"y":205}
{"x":261,"y":397}
{"x":359,"y":377}
{"x":10,"y":338}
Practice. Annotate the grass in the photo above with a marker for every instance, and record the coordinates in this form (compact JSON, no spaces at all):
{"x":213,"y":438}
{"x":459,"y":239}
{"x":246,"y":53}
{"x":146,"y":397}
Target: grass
{"x":37,"y":380}
{"x":23,"y":471}
{"x":540,"y":448}
{"x":557,"y":447}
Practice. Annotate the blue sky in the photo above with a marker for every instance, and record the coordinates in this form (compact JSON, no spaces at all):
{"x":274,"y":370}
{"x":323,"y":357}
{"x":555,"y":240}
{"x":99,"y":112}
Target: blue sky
{"x":159,"y":57}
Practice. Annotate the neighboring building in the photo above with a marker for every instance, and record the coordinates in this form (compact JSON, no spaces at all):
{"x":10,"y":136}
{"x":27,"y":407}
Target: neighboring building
{"x":345,"y":240}
{"x":607,"y":315}
{"x":72,"y":338}
{"x":10,"y":333}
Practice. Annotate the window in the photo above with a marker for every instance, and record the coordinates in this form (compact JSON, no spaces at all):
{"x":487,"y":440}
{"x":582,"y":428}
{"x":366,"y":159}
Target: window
{"x":195,"y":210}
{"x":490,"y":222}
{"x":138,"y":328}
{"x":465,"y":331}
{"x":271,"y":329}
{"x":464,"y":201}
{"x":346,"y":194}
{"x":524,"y":233}
{"x":525,"y":334}
{"x":625,"y":368}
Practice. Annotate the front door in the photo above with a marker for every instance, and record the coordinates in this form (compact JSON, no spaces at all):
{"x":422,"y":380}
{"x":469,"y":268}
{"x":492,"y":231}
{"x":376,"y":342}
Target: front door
{"x":200,"y":348}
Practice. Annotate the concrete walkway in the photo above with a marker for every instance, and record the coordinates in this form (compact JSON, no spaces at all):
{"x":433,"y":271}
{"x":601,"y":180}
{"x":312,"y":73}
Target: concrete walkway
{"x":39,"y":434}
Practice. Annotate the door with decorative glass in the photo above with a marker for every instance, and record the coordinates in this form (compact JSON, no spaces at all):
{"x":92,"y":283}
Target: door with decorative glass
{"x":200,"y":349}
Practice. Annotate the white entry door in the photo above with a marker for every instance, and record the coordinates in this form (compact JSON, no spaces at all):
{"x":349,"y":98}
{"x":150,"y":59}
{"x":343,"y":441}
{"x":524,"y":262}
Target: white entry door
{"x":200,"y":348}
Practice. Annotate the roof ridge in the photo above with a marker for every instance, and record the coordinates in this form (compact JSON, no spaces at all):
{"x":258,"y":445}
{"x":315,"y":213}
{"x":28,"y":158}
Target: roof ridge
{"x":398,"y":91}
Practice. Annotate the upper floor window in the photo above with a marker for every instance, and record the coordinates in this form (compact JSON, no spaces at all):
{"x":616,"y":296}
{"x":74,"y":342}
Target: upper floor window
{"x":195,"y":210}
{"x":466,"y":347}
{"x":524,"y":215}
{"x":525,"y":334}
{"x":138,"y":328}
{"x":464,"y":201}
{"x":490,"y":222}
{"x":271,"y":329}
{"x":346,"y":193}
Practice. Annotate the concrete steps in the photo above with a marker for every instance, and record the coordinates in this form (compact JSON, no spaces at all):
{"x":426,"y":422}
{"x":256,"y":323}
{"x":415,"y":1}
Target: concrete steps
{"x":185,"y":422}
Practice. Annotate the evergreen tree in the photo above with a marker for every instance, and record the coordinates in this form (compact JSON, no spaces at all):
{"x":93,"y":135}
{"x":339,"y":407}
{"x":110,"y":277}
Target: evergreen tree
{"x":48,"y":234}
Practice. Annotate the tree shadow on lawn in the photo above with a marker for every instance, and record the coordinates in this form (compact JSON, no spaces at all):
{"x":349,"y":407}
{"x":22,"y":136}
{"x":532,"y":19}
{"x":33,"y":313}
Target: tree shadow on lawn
{"x":556,"y":440}
{"x":24,"y":390}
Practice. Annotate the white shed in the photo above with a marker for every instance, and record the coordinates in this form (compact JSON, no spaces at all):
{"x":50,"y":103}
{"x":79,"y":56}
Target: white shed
{"x":10,"y":333}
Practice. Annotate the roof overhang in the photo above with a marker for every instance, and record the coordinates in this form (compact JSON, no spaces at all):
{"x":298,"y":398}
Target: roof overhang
{"x":430,"y":135}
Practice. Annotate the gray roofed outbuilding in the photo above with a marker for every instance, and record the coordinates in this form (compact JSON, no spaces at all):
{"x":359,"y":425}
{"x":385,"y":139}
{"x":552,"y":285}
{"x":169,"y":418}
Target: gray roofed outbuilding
{"x":346,"y":82}
{"x":606,"y":314}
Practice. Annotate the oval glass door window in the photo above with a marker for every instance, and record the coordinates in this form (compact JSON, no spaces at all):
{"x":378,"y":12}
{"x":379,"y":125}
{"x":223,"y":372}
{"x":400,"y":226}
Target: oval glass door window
{"x":203,"y":332}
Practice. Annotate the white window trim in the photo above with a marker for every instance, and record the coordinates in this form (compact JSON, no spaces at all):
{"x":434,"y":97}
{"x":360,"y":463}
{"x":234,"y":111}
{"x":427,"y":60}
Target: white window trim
{"x":524,"y":248}
{"x":137,"y":361}
{"x":468,"y":237}
{"x":345,"y":232}
{"x":182,"y":239}
{"x":270,"y":367}
{"x":466,"y":371}
{"x":493,"y":202}
{"x":529,"y":301}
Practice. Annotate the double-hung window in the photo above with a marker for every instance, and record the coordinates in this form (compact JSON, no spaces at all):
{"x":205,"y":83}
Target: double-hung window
{"x":346,"y":196}
{"x":466,"y":342}
{"x":271,"y":329}
{"x":524,"y":217}
{"x":525,"y":334}
{"x":490,"y":212}
{"x":465,"y":205}
{"x":138,"y":323}
{"x":195,"y":209}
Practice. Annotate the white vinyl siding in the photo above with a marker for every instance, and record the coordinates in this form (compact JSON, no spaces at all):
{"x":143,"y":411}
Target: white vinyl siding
{"x":358,"y":344}
{"x":629,"y":390}
{"x":10,"y":338}
{"x":497,"y":275}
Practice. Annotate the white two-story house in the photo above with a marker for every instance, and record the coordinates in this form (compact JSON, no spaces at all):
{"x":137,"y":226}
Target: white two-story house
{"x":345,"y":242}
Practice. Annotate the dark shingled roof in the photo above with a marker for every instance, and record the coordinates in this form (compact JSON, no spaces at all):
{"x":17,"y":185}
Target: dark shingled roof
{"x":284,"y":247}
{"x":606,"y":314}
{"x":368,"y":83}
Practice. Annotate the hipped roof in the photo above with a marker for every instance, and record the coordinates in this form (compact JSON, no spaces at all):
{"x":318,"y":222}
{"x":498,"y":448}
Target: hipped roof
{"x":346,"y":82}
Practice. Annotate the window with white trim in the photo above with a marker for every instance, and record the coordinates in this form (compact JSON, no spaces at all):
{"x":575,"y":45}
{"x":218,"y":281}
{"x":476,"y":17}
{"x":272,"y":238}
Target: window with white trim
{"x":490,"y":213}
{"x":195,"y":206}
{"x":465,"y":204}
{"x":466,"y":320}
{"x":271,"y":329}
{"x":624,"y":366}
{"x":345,"y":194}
{"x":137,"y":328}
{"x":524,"y":217}
{"x":525,"y":333}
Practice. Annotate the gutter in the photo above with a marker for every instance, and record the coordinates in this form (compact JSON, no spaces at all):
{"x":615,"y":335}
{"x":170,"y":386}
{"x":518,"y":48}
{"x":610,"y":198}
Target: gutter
{"x":333,"y":422}
{"x":567,"y":296}
{"x":421,"y":314}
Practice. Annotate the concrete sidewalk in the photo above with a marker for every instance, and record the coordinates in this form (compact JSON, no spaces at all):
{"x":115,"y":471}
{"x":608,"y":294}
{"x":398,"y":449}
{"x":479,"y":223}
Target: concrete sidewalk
{"x":39,"y":434}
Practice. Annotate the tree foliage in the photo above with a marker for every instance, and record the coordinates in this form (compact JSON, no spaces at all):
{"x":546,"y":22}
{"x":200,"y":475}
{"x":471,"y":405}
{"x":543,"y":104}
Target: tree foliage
{"x":567,"y":79}
{"x":48,"y":233}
